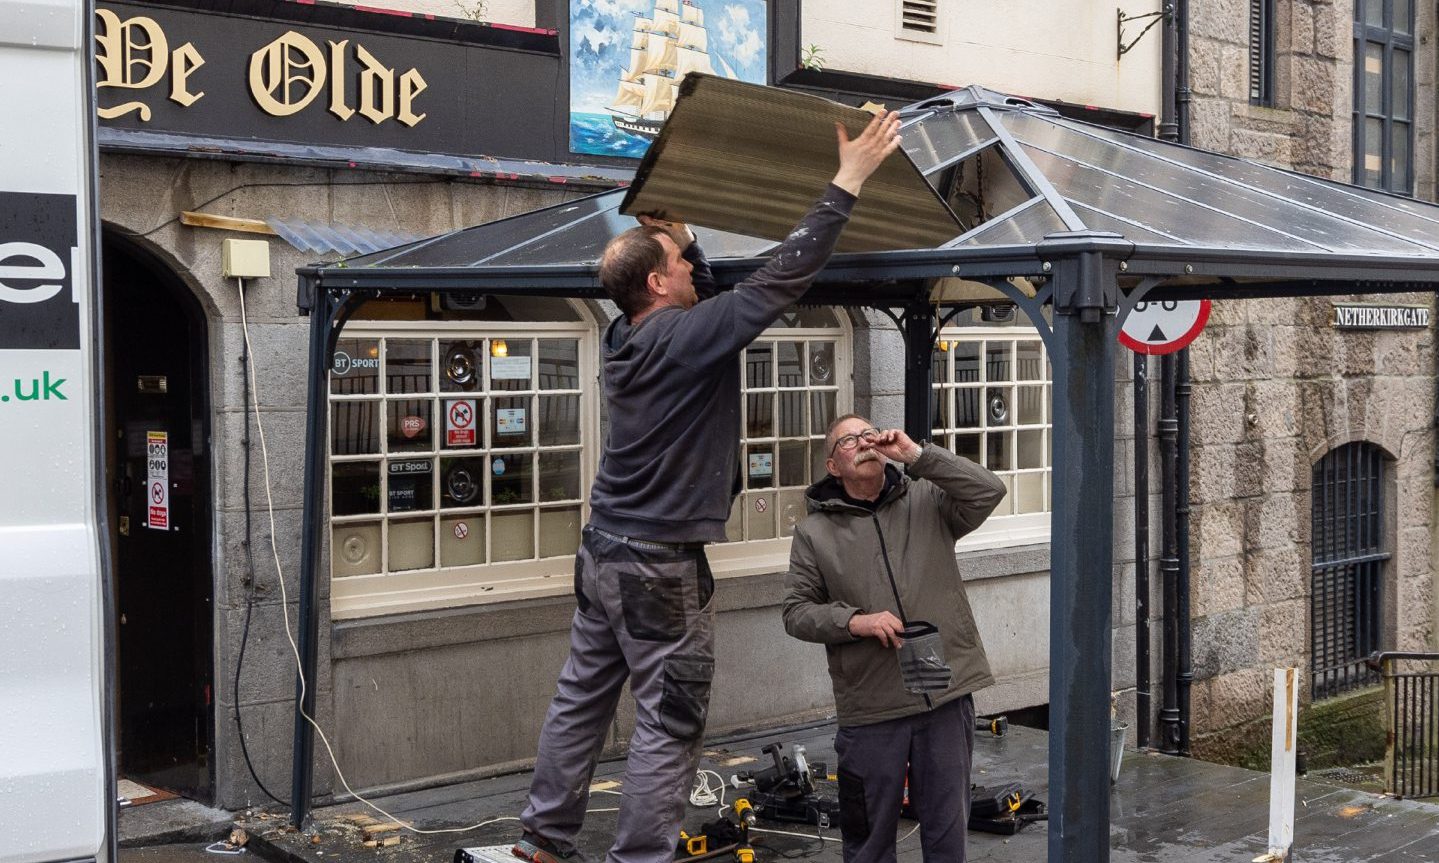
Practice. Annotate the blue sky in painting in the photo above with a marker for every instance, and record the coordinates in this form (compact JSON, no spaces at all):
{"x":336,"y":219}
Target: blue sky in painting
{"x":600,"y":37}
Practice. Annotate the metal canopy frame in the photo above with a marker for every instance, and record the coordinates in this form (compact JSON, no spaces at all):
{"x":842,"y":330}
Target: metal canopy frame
{"x":1089,"y":279}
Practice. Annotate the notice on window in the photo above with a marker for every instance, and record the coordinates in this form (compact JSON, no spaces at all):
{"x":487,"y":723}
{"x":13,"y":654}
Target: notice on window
{"x":460,"y":422}
{"x":761,"y":464}
{"x":157,"y":478}
{"x":509,"y":368}
{"x":510,"y":421}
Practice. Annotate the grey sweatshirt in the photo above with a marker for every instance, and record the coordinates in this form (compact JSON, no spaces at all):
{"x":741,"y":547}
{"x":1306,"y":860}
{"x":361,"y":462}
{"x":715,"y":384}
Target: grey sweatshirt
{"x":669,"y":470}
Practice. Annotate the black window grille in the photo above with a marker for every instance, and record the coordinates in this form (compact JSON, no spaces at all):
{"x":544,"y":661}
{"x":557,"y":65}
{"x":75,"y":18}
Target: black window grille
{"x":1349,"y":553}
{"x":1261,"y":52}
{"x":1384,"y":94}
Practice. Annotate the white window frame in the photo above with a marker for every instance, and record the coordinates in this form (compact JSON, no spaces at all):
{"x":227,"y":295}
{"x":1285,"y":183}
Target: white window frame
{"x":440,"y":587}
{"x":1001,"y":530}
{"x":757,"y":556}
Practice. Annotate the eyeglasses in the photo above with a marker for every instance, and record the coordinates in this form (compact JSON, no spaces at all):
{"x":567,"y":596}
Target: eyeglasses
{"x":850,"y":441}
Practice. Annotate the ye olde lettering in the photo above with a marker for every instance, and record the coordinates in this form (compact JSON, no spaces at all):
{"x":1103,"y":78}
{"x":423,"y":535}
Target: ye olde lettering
{"x":134,"y":54}
{"x":290,"y":72}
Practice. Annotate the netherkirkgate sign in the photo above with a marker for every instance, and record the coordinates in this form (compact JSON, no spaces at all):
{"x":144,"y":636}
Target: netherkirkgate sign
{"x":1349,"y":316}
{"x":330,"y":75}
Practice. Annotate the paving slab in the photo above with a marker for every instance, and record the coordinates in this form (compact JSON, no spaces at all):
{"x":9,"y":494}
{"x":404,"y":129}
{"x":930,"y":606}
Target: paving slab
{"x":1163,"y":809}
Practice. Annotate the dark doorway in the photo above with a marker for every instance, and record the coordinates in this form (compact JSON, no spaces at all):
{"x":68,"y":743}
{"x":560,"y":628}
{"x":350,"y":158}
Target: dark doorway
{"x":157,"y":388}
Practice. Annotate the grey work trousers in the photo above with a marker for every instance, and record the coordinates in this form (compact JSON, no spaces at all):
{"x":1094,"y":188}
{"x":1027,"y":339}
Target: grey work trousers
{"x":644,"y":612}
{"x":936,"y":747}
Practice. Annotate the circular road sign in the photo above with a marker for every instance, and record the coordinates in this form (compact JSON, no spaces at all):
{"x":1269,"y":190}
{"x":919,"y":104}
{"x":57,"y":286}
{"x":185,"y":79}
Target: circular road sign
{"x":1163,"y":327}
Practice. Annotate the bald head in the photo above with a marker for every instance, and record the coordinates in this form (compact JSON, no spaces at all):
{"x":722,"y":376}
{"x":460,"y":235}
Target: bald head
{"x":626,"y":265}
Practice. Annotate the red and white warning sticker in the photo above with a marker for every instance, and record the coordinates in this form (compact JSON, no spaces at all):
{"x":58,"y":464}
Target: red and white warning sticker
{"x":460,"y":422}
{"x":157,"y":476}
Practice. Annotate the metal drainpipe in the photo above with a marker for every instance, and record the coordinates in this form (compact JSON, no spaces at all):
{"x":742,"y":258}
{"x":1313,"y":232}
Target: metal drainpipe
{"x":1168,"y":84}
{"x":1142,"y":705}
{"x":1185,"y":675}
{"x":1169,"y":733}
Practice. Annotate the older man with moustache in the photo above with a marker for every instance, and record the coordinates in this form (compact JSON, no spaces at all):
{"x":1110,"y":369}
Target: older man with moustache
{"x":874,"y":555}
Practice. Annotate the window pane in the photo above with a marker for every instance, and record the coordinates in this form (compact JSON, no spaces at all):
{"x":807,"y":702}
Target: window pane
{"x":356,"y":367}
{"x":939,"y":407}
{"x":355,"y":488}
{"x":1403,"y":16}
{"x":790,"y":363}
{"x":1029,"y":361}
{"x":412,"y":544}
{"x":1031,"y":405}
{"x":759,"y":365}
{"x":1373,"y":160}
{"x":559,"y":476}
{"x":760,"y":515}
{"x":411,"y":485}
{"x":791,"y":414}
{"x":997,"y":406}
{"x":1373,"y":12}
{"x":793,"y":459}
{"x":997,"y":360}
{"x":1373,"y":78}
{"x":511,"y":422}
{"x":464,"y":421}
{"x":407,"y":366}
{"x":354,"y":428}
{"x":408,"y":426}
{"x":1399,"y":85}
{"x":559,"y":364}
{"x":822,"y":411}
{"x":967,"y":445}
{"x":759,"y":466}
{"x":462,"y":540}
{"x":817,"y":456}
{"x":559,"y":420}
{"x":356,"y":548}
{"x":1031,"y":449}
{"x":966,"y":362}
{"x":559,"y":531}
{"x":791,"y":511}
{"x":821,"y":364}
{"x":999,"y":451}
{"x":966,"y":407}
{"x":512,"y":479}
{"x":462,"y":482}
{"x":1030,"y":492}
{"x":939,"y":363}
{"x":461,"y":365}
{"x":1399,"y":162}
{"x":514,"y":535}
{"x":510,"y":364}
{"x":759,"y":415}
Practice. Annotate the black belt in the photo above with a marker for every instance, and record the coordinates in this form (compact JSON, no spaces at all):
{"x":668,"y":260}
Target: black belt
{"x":651,"y":544}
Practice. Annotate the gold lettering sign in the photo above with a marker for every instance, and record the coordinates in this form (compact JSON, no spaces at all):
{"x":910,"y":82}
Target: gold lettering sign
{"x":277,"y":69}
{"x":134,"y":54}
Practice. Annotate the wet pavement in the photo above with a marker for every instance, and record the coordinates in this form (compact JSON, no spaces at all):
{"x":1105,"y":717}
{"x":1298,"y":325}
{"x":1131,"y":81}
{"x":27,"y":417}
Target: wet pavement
{"x":1163,"y":809}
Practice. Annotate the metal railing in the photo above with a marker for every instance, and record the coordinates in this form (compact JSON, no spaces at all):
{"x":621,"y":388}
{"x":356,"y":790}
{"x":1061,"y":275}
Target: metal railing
{"x":1411,"y":700}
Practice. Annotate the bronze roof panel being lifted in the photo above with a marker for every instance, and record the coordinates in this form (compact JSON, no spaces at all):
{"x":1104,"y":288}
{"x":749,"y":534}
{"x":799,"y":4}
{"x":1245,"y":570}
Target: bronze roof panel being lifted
{"x":749,"y":159}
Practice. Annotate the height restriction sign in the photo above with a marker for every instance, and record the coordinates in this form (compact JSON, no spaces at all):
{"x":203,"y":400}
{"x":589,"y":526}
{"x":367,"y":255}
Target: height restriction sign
{"x":460,"y":422}
{"x":1163,"y":327}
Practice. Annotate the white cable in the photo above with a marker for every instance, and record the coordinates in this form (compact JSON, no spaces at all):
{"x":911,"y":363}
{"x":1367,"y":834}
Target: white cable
{"x":703,"y":794}
{"x":907,"y":835}
{"x":285,"y":598}
{"x":792,"y":833}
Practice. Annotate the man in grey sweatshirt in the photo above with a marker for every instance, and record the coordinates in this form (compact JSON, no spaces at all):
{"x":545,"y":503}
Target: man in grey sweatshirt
{"x":667,"y":478}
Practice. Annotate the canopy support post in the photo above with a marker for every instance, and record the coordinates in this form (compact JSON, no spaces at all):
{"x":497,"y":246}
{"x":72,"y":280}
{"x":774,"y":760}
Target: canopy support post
{"x":1081,"y":556}
{"x":919,"y":335}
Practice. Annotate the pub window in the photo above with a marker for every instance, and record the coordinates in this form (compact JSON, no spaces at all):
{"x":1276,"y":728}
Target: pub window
{"x":460,"y":460}
{"x":990,"y":402}
{"x":1384,"y":94}
{"x":796,"y":380}
{"x":1349,"y":552}
{"x":1261,"y":52}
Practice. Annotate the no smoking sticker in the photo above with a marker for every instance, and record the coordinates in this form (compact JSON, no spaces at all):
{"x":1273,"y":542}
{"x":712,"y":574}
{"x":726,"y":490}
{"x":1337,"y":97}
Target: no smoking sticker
{"x":462,"y":530}
{"x":760,"y":504}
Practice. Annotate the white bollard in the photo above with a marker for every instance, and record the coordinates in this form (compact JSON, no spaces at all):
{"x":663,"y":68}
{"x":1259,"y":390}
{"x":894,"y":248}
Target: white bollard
{"x":1281,"y":769}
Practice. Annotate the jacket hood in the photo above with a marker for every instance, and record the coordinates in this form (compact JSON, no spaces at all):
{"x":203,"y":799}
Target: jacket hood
{"x":827,"y":495}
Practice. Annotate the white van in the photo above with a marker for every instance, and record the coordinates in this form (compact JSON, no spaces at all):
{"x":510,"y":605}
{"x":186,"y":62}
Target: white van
{"x":57,"y":789}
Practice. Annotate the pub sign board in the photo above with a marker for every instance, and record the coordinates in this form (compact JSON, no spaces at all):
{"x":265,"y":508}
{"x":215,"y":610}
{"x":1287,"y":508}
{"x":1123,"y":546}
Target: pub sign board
{"x":1351,"y":316}
{"x":217,"y":73}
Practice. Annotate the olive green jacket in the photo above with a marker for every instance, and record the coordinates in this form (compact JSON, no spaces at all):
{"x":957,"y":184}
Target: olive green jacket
{"x":840,"y":565}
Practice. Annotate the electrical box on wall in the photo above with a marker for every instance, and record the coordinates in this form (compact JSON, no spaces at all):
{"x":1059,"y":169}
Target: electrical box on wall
{"x":245,"y":259}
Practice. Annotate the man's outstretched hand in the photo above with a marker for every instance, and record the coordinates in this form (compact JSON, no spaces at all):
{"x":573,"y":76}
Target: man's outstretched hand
{"x":858,"y":159}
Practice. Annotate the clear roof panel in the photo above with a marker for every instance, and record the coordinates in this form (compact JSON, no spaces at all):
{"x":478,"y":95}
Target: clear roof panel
{"x":1200,"y":189}
{"x":936,"y":141}
{"x":1025,"y":225}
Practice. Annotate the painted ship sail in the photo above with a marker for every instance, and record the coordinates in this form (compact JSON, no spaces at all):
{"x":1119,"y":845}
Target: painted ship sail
{"x":668,"y":44}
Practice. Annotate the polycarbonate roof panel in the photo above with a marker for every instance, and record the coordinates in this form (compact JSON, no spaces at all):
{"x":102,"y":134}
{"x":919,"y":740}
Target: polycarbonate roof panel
{"x":751,"y":160}
{"x":1024,"y":225}
{"x":1199,"y":190}
{"x":937,"y":140}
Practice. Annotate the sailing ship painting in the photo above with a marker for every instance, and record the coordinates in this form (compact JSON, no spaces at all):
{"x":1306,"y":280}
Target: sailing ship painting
{"x":629,"y":56}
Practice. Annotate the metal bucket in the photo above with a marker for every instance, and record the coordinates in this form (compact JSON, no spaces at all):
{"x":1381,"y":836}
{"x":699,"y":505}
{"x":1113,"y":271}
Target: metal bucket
{"x":1118,"y":731}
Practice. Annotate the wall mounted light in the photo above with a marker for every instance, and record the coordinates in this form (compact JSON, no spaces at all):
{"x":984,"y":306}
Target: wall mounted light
{"x":498,"y":348}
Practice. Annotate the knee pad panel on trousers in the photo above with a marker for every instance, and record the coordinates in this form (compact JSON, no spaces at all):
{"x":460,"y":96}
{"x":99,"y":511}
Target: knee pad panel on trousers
{"x":684,"y":706}
{"x":853,"y":816}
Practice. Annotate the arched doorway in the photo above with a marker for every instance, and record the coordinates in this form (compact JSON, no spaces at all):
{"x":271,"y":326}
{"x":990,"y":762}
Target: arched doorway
{"x":158,"y":463}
